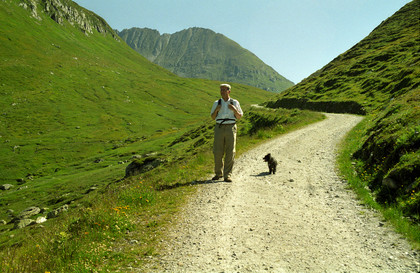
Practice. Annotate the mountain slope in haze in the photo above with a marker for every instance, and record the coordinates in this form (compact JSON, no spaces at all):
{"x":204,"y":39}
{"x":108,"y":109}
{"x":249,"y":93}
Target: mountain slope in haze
{"x":379,"y":76}
{"x":76,"y":101}
{"x":202,"y":53}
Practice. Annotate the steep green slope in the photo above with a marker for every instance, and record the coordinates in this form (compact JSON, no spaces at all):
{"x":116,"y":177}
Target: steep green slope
{"x":75,"y":101}
{"x":379,"y":76}
{"x":389,"y":157}
{"x":382,"y":66}
{"x":202,"y":53}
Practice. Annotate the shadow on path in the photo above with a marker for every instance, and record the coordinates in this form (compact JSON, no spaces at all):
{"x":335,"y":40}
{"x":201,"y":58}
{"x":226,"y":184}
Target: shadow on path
{"x":192,"y":183}
{"x":261,"y":174}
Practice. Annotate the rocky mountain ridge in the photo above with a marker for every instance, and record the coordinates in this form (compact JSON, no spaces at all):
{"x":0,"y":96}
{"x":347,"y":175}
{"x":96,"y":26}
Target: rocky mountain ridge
{"x":202,"y":53}
{"x":62,"y":11}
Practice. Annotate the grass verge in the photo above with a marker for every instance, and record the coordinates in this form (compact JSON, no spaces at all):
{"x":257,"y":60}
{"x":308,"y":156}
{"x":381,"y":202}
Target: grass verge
{"x":360,"y":185}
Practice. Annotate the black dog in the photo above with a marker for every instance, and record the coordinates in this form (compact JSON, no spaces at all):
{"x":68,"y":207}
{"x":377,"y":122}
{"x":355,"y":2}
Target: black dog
{"x":272,"y":163}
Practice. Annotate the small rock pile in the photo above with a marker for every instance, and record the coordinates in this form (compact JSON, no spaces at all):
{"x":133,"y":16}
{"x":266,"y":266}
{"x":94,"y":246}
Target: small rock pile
{"x":32,"y":216}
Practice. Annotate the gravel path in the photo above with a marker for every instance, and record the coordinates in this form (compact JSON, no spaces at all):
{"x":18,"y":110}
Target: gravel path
{"x":302,"y":219}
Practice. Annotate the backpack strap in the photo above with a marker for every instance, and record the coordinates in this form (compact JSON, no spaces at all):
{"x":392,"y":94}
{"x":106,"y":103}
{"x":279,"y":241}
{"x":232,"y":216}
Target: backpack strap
{"x":226,"y":119}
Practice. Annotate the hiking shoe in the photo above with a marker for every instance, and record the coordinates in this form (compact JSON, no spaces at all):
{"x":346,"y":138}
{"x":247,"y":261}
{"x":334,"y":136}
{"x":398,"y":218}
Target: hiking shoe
{"x":228,"y":179}
{"x":216,"y":177}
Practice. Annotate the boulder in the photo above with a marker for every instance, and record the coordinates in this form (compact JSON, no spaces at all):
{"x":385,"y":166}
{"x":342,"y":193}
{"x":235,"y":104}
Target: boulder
{"x":44,"y":210}
{"x":40,"y":219}
{"x":57,"y":212}
{"x":143,"y":165}
{"x":23,"y":223}
{"x":20,"y":181}
{"x":91,"y":189}
{"x":31,"y":211}
{"x":6,"y":187}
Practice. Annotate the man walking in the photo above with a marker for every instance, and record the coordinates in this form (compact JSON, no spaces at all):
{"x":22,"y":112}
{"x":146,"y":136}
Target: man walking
{"x":226,"y":111}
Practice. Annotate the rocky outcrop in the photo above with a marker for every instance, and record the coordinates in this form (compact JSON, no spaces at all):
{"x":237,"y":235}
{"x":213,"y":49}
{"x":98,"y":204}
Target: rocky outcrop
{"x":55,"y":213}
{"x":143,"y":165}
{"x":31,"y":5}
{"x":24,"y":218}
{"x":66,"y":10}
{"x":29,"y":212}
{"x":27,"y":216}
{"x":23,"y":223}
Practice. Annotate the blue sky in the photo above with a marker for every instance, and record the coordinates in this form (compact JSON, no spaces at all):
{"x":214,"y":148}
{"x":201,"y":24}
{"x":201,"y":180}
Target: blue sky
{"x":295,"y":37}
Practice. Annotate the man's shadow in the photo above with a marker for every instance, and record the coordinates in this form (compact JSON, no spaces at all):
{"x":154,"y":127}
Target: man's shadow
{"x":201,"y":182}
{"x":192,"y":183}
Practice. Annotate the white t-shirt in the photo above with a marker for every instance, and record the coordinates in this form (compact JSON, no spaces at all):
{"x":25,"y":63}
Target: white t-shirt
{"x":225,"y":112}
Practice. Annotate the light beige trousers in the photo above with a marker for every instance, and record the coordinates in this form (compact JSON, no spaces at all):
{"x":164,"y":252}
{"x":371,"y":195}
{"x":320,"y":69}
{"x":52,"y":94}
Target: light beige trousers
{"x":224,"y":145}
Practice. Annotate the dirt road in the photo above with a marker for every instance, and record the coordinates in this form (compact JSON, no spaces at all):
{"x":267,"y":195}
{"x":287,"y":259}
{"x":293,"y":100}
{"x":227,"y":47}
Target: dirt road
{"x":302,"y":219}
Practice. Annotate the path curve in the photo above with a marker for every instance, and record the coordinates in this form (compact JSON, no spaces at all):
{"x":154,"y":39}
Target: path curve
{"x":302,"y":219}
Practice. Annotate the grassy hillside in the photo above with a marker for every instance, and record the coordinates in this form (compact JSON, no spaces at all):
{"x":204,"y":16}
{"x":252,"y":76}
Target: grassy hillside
{"x":381,"y":67}
{"x":77,"y":104}
{"x":380,"y":77}
{"x":202,"y":53}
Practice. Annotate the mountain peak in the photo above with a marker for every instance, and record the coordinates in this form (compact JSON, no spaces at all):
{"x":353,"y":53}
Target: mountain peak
{"x":202,"y":53}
